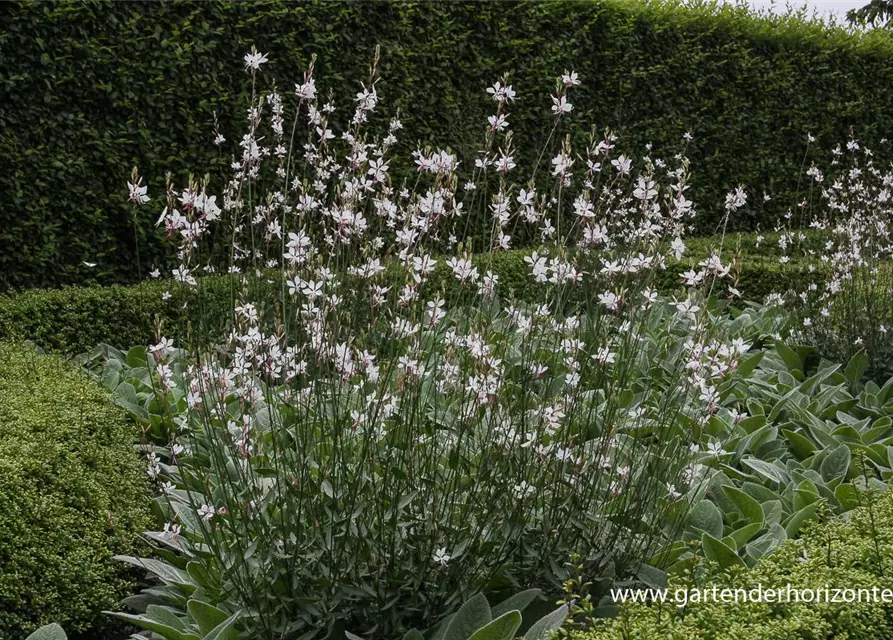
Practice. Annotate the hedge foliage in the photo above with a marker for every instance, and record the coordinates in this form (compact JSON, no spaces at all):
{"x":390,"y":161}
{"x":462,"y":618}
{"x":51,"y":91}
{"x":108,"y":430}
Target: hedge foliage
{"x":846,"y":555}
{"x":99,"y":87}
{"x":73,"y":493}
{"x":72,"y":320}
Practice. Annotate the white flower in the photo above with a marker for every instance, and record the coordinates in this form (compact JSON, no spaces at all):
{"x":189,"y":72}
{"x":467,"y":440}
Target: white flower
{"x":306,"y":91}
{"x":206,"y":512}
{"x":500,"y":93}
{"x":678,"y":248}
{"x":254,"y":59}
{"x":610,"y":300}
{"x":622,"y":164}
{"x":463,"y":269}
{"x":570,"y":79}
{"x":137,"y":193}
{"x":498,"y":123}
{"x":560,"y":105}
{"x":163,"y":345}
{"x":736,"y":199}
{"x":672,"y":492}
{"x":441,"y":556}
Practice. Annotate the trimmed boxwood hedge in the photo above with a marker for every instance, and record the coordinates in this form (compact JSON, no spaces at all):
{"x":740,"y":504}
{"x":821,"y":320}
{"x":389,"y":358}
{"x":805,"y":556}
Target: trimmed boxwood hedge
{"x":98,"y":87}
{"x":852,"y":554}
{"x":73,"y":493}
{"x":72,"y":320}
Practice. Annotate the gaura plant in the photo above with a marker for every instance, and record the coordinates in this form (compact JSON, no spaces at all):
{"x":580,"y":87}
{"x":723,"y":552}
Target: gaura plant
{"x":387,"y":430}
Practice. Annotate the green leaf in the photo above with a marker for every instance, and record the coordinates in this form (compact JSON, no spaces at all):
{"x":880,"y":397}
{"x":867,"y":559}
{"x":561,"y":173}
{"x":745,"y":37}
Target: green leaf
{"x":748,"y":507}
{"x":767,"y":469}
{"x":144,"y":622}
{"x":165,"y":572}
{"x":848,"y":496}
{"x":766,"y":542}
{"x":743,"y":535}
{"x":517,"y":602}
{"x":473,"y":615}
{"x":225,"y":630}
{"x":549,"y":622}
{"x":165,"y":616}
{"x":772,"y":512}
{"x":49,"y":632}
{"x":796,"y":521}
{"x":790,"y":357}
{"x":652,"y":576}
{"x":502,"y":628}
{"x":719,"y":552}
{"x":747,"y":366}
{"x":207,"y":616}
{"x":805,"y":494}
{"x":137,"y":357}
{"x":799,"y":444}
{"x":855,"y":368}
{"x":413,"y":634}
{"x":705,"y":517}
{"x":836,"y":464}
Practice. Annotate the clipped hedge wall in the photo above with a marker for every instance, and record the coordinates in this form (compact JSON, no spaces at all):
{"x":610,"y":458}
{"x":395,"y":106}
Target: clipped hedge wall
{"x":98,"y":87}
{"x":846,"y":555}
{"x":72,"y":320}
{"x":73,"y":493}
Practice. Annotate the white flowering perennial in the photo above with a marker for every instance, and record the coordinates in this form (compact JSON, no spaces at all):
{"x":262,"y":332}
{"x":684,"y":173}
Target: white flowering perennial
{"x":388,"y":421}
{"x":846,"y":302}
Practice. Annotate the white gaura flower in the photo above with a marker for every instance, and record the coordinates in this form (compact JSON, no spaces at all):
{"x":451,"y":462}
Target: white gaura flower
{"x":610,"y":300}
{"x":560,"y":105}
{"x":498,"y":123}
{"x":501,"y":93}
{"x":137,"y":192}
{"x":736,"y":199}
{"x":163,"y":345}
{"x":622,"y":164}
{"x":206,"y":512}
{"x":253,"y":60}
{"x":570,"y":79}
{"x":463,"y":269}
{"x":441,"y":556}
{"x":306,"y":91}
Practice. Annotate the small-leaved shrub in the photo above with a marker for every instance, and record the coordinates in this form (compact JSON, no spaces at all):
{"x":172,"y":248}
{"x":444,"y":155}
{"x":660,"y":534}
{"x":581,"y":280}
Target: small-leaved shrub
{"x":855,"y":554}
{"x":72,"y":495}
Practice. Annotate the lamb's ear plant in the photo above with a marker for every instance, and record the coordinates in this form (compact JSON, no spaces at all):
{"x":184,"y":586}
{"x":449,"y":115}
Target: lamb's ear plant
{"x":388,"y":430}
{"x":49,"y":632}
{"x":786,"y":449}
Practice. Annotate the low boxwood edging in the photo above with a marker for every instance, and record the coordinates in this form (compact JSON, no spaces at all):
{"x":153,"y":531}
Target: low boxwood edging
{"x":73,"y":320}
{"x":73,"y":493}
{"x":854,"y":554}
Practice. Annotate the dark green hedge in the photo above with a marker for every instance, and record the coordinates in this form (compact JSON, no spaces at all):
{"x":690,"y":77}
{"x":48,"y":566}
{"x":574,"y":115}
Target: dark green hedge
{"x":73,"y":493}
{"x":837,"y":555}
{"x":72,"y":320}
{"x":94,"y":88}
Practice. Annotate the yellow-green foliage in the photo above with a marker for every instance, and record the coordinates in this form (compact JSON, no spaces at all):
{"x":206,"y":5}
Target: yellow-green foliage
{"x":855,"y":554}
{"x":72,"y":494}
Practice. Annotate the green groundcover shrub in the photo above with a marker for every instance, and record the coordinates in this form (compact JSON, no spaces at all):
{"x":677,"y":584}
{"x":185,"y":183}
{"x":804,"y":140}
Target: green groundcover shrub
{"x":855,"y":555}
{"x":98,"y":87}
{"x":73,"y":320}
{"x":72,"y":494}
